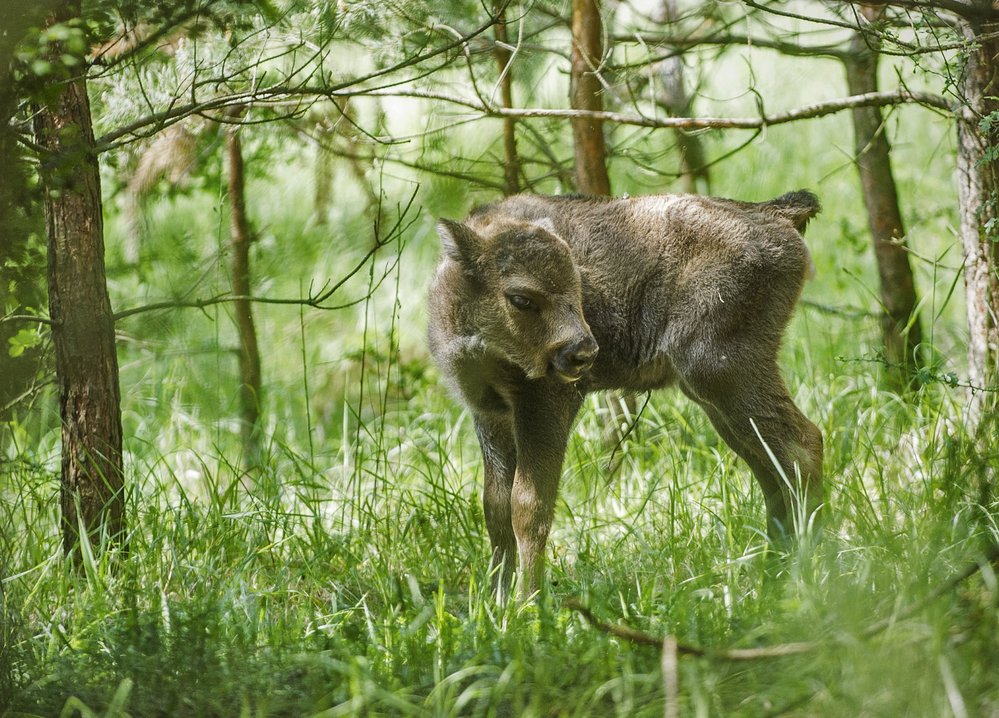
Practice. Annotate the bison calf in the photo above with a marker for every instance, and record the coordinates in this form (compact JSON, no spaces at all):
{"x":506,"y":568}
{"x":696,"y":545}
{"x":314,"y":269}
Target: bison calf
{"x":538,"y":300}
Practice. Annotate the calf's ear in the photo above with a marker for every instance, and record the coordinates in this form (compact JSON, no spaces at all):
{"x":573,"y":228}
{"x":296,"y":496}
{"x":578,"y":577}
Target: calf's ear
{"x":459,"y":242}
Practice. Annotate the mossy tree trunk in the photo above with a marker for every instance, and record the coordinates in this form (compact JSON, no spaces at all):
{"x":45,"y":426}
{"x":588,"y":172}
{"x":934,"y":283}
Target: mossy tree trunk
{"x":92,"y":477}
{"x":511,"y":160}
{"x":901,"y":329}
{"x":978,"y":189}
{"x":249,"y":350}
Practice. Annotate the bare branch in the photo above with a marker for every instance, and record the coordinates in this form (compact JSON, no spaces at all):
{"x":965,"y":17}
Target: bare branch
{"x":967,"y":10}
{"x":686,"y":649}
{"x":682,"y":44}
{"x":130,"y":43}
{"x":316,"y":299}
{"x":795,"y":16}
{"x":28,"y":318}
{"x":819,"y":109}
{"x":29,"y":393}
{"x":845,"y":312}
{"x":479,"y":180}
{"x":158,"y":120}
{"x":990,"y":557}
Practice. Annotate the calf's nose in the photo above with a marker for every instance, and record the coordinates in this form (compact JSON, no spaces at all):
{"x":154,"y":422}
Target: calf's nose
{"x":575,"y":357}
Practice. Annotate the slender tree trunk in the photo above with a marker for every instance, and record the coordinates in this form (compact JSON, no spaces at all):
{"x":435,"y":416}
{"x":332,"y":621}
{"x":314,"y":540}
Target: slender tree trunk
{"x":586,"y":94}
{"x":92,"y":494}
{"x":978,"y":189}
{"x":901,"y":330}
{"x":249,"y":351}
{"x":672,"y":96}
{"x":323,"y":176}
{"x":511,"y":161}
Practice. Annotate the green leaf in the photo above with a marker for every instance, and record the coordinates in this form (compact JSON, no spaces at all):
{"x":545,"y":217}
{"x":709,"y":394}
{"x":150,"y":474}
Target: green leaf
{"x":22,"y":341}
{"x":41,"y":67}
{"x":59,"y":31}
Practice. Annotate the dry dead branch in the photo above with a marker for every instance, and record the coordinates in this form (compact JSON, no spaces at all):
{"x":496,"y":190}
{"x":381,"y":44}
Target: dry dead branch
{"x":671,"y":649}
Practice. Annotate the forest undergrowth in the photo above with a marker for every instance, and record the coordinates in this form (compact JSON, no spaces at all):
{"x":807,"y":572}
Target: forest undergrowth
{"x":343,"y":572}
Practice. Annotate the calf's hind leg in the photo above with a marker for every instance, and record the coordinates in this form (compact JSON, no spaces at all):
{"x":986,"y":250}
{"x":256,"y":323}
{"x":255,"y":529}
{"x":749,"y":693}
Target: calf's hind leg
{"x":499,"y":460}
{"x":753,"y":412}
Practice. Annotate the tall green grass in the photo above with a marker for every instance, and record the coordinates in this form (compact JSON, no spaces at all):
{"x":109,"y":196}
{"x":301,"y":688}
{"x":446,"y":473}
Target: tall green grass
{"x":359,"y":587}
{"x":345,"y":574}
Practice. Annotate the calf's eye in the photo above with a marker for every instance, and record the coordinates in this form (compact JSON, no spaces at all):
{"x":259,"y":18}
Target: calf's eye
{"x":519,"y":301}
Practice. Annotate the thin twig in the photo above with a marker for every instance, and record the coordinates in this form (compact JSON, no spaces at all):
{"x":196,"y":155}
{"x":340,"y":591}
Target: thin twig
{"x":847,"y":312}
{"x":211,"y":301}
{"x":26,"y":394}
{"x":818,"y":109}
{"x":260,"y":95}
{"x":37,"y":319}
{"x":680,"y":44}
{"x":926,"y":377}
{"x":632,"y":425}
{"x":316,"y":300}
{"x":991,"y":557}
{"x":686,"y":649}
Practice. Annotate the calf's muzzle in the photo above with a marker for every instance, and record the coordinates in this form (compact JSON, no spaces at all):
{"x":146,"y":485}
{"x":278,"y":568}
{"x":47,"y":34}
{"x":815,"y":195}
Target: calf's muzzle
{"x":574,"y":358}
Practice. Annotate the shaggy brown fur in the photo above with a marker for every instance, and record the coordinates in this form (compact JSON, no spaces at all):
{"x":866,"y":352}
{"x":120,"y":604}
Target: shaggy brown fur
{"x":539,"y":300}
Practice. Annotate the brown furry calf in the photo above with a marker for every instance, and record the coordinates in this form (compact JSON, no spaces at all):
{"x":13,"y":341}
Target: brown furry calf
{"x":539,"y":300}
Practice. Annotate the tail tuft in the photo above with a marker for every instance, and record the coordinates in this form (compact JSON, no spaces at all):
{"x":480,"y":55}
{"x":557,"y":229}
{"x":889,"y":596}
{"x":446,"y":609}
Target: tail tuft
{"x":797,"y":207}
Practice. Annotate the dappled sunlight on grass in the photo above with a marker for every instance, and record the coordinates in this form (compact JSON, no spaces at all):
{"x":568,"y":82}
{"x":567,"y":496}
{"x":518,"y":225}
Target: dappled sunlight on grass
{"x":344,"y":570}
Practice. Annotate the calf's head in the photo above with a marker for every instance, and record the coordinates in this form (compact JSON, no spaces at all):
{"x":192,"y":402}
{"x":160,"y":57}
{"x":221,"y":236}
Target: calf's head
{"x":521,"y":285}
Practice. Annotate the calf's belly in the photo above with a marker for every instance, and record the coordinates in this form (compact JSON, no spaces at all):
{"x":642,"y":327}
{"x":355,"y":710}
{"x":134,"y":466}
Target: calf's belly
{"x":648,"y":376}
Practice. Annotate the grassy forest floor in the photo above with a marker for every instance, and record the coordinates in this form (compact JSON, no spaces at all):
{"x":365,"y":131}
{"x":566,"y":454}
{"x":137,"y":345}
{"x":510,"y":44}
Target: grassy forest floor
{"x":346,"y":574}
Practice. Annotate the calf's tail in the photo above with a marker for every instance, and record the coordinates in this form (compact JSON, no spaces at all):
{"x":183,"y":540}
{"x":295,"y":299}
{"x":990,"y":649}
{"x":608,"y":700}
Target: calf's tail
{"x":797,"y":207}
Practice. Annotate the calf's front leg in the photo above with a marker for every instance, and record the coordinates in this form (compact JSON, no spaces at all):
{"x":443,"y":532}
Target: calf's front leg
{"x":499,"y":460}
{"x":543,"y":417}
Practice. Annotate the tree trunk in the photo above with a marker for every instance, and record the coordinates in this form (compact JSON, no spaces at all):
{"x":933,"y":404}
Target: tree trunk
{"x":249,"y":351}
{"x":901,"y":330}
{"x":673,"y":98}
{"x":585,"y":94}
{"x":978,"y":189}
{"x":591,"y":155}
{"x":83,"y":331}
{"x":323,"y":176}
{"x":511,"y":162}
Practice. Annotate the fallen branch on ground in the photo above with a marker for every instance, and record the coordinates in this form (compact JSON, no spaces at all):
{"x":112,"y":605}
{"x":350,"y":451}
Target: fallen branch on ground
{"x":686,"y":649}
{"x":780,"y":650}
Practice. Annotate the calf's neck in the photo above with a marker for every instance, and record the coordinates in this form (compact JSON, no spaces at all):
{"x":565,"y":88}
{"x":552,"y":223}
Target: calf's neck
{"x":538,"y":300}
